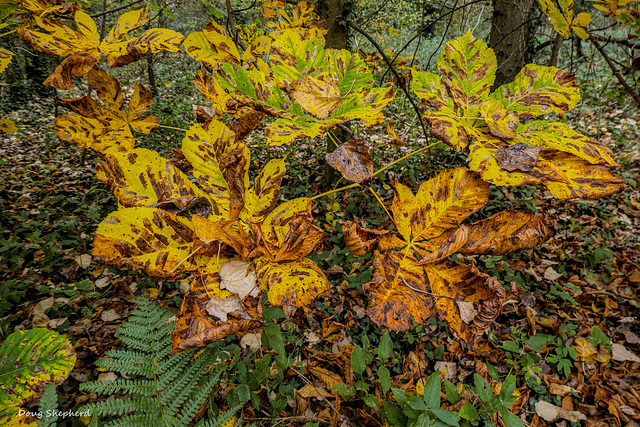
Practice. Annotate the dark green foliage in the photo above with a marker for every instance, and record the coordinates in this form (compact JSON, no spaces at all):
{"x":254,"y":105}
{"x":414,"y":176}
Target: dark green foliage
{"x":165,"y":389}
{"x":48,"y":407}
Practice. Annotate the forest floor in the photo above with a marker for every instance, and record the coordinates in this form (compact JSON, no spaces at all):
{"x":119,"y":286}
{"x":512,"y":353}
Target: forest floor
{"x":578,"y":291}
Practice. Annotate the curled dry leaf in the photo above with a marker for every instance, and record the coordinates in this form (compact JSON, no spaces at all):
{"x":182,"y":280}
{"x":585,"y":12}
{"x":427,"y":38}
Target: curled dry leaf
{"x":361,"y":240}
{"x":352,"y":159}
{"x":518,"y":157}
{"x":236,"y":278}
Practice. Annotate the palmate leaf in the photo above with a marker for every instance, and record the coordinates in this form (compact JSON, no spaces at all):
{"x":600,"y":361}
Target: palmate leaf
{"x":28,"y":361}
{"x":503,"y":147}
{"x":302,"y":19}
{"x":211,"y":46}
{"x":115,"y":122}
{"x":83,"y":46}
{"x":563,"y":19}
{"x":414,"y":279}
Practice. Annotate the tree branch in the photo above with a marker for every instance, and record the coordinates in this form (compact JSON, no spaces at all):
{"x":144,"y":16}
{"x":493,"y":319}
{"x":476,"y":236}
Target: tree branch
{"x":231,"y":26}
{"x":393,"y":70}
{"x":623,"y":42}
{"x":616,"y":73}
{"x":116,"y":9}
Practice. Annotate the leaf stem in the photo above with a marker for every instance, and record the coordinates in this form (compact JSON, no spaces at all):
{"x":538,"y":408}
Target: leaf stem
{"x":379,"y":171}
{"x":173,"y":128}
{"x":381,"y":204}
{"x":7,"y":33}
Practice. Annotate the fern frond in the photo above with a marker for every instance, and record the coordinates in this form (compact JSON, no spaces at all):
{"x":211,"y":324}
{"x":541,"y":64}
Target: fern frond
{"x":191,"y":408}
{"x":48,"y":403}
{"x":121,"y":385}
{"x":223,"y":419}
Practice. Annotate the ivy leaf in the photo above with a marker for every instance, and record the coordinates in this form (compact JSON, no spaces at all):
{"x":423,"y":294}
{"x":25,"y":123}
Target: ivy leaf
{"x":297,"y":283}
{"x":152,"y":239}
{"x":352,"y":159}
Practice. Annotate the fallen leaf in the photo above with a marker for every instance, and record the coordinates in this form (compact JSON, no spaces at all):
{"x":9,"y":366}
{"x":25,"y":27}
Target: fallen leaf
{"x":551,"y":274}
{"x":220,"y":307}
{"x":109,"y":316}
{"x":102,"y":282}
{"x":235,"y":278}
{"x":84,"y":260}
{"x":550,"y":412}
{"x":251,"y":341}
{"x":621,"y":354}
{"x":310,"y":390}
{"x":467,"y":311}
{"x":560,"y":389}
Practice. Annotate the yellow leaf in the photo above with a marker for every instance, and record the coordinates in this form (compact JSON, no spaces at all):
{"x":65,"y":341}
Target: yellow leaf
{"x":126,"y":23}
{"x":152,"y":239}
{"x":85,"y":133}
{"x":5,"y":59}
{"x":397,"y":293}
{"x":212,"y":46}
{"x":297,"y":283}
{"x":277,"y":224}
{"x":262,"y":197}
{"x":7,"y":127}
{"x":501,"y":122}
{"x":441,"y":203}
{"x":318,"y":97}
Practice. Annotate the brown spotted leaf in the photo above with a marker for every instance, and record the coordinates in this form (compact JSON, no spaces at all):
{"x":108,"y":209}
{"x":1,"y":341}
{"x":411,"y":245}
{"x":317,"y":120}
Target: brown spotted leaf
{"x":359,"y":240}
{"x":298,"y":283}
{"x":453,"y":282}
{"x":317,"y":97}
{"x":151,"y":239}
{"x":234,"y":164}
{"x":260,"y":199}
{"x":212,"y":46}
{"x":352,"y":159}
{"x":398,"y":293}
{"x":501,"y":122}
{"x":210,"y":233}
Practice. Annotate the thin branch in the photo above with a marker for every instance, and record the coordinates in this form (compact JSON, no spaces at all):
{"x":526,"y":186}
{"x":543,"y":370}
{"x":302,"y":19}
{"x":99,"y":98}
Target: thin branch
{"x":231,"y":26}
{"x":442,"y":38}
{"x":403,"y":87}
{"x":615,"y":71}
{"x":246,"y":8}
{"x":116,"y":9}
{"x":425,"y":28}
{"x":623,"y":42}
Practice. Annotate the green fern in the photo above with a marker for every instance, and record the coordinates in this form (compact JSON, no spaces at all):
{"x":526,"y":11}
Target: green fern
{"x":166,"y":389}
{"x":48,"y":407}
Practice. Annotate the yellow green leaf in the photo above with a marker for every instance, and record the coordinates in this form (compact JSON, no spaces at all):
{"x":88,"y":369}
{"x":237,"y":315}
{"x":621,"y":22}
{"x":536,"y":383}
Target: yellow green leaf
{"x":28,"y":361}
{"x":141,"y":177}
{"x":7,"y":127}
{"x":539,"y":90}
{"x":151,"y":239}
{"x":468,"y":68}
{"x":317,"y":97}
{"x":5,"y":59}
{"x":263,"y":195}
{"x":298,"y":283}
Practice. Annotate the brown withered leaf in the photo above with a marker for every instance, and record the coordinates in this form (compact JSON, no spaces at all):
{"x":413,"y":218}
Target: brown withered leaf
{"x":506,"y":232}
{"x":442,"y":246}
{"x":235,"y":168}
{"x":195,"y":326}
{"x":361,"y":240}
{"x":77,"y":65}
{"x":397,"y":293}
{"x":302,"y":239}
{"x":392,"y":134}
{"x":457,"y":282}
{"x":247,"y":119}
{"x":520,"y":156}
{"x":229,"y":232}
{"x":352,"y":159}
{"x":204,"y":113}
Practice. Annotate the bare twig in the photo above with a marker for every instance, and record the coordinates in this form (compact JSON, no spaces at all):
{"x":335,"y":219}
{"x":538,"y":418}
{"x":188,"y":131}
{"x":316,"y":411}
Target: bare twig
{"x":403,"y":87}
{"x":615,"y":71}
{"x":442,"y":38}
{"x":116,"y":9}
{"x":231,"y":26}
{"x":623,"y":42}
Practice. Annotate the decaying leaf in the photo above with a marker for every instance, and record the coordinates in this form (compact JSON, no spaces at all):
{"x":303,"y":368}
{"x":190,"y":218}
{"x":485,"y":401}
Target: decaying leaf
{"x":521,"y":157}
{"x":352,"y":159}
{"x":236,"y":278}
{"x":550,"y":412}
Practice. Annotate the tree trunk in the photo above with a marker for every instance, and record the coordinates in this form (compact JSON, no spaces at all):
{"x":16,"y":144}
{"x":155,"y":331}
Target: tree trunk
{"x":555,"y":50}
{"x":510,"y":37}
{"x":334,"y":14}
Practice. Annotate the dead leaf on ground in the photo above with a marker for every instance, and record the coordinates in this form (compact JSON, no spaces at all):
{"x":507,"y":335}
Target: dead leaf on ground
{"x":352,"y":159}
{"x":550,"y":412}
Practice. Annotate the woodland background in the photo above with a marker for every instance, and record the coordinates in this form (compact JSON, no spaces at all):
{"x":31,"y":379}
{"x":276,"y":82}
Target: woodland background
{"x":573,"y":298}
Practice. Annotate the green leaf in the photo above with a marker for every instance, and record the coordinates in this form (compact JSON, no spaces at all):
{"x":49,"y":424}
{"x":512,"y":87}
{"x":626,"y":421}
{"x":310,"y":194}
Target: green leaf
{"x":468,"y":67}
{"x":371,"y":401}
{"x":482,"y":388}
{"x":401,"y":396}
{"x":432,"y":391}
{"x":468,"y":412}
{"x":452,"y":394}
{"x":537,"y":341}
{"x":385,"y":379}
{"x":508,"y":387}
{"x":450,"y":418}
{"x":415,"y":402}
{"x":357,"y":360}
{"x":385,"y":348}
{"x":394,"y":414}
{"x":29,"y":359}
{"x":511,"y":420}
{"x":511,"y":346}
{"x":274,"y":339}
